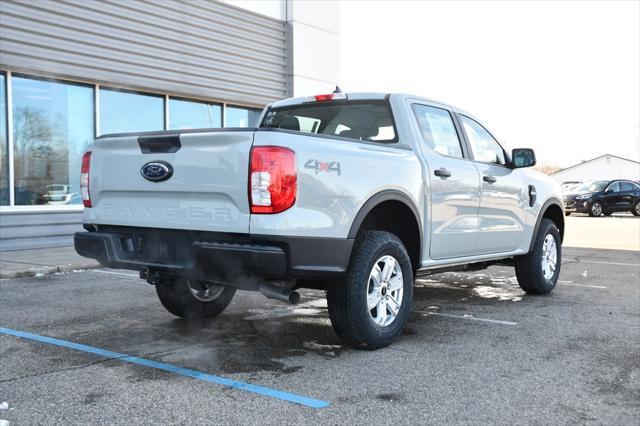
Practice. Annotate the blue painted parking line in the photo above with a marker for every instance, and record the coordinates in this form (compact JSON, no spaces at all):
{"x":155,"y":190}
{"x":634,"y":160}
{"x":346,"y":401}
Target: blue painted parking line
{"x":261,"y":390}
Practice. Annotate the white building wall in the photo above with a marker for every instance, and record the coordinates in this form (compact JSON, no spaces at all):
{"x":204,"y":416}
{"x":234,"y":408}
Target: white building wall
{"x":601,"y":168}
{"x":314,"y":28}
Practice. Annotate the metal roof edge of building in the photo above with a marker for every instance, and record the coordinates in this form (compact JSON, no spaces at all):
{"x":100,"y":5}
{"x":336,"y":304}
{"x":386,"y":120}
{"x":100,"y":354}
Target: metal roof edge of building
{"x":593,"y":159}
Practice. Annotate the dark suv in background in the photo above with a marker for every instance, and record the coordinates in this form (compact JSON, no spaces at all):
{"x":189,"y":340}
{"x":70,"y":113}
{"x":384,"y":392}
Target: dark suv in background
{"x":603,"y":197}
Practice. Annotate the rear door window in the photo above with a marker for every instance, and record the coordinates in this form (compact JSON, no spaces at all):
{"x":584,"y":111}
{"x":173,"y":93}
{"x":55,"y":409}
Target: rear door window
{"x":626,"y":186}
{"x":438,"y":131}
{"x":362,"y":120}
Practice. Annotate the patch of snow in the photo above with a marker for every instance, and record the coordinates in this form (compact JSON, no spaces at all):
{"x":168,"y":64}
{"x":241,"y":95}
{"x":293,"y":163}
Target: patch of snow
{"x":500,"y":293}
{"x":4,"y":422}
{"x":4,"y":405}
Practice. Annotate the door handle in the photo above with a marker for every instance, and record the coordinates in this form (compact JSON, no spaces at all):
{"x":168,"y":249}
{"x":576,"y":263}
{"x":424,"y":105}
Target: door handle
{"x":489,"y":179}
{"x":442,"y":172}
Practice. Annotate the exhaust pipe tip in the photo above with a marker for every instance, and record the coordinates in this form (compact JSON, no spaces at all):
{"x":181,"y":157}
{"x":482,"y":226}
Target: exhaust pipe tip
{"x":294,"y":297}
{"x":279,"y":293}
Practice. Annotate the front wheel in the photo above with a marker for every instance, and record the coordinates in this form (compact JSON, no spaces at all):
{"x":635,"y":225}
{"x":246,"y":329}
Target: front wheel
{"x":192,"y":299}
{"x":596,"y":209}
{"x":371,"y":305}
{"x":538,"y":271}
{"x":636,"y":208}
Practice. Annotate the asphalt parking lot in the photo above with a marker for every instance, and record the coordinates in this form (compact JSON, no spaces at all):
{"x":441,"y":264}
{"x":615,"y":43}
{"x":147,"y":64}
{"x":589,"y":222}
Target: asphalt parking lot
{"x":476,"y":350}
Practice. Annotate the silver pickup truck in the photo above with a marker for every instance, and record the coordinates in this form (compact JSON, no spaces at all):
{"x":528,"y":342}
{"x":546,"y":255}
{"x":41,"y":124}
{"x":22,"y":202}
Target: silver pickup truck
{"x":355,"y":194}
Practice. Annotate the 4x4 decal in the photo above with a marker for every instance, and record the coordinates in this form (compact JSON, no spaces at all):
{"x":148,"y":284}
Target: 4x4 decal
{"x":323,"y":166}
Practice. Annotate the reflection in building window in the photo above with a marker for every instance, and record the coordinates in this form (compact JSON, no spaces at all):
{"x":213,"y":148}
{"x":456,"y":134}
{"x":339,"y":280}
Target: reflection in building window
{"x":185,"y":114}
{"x":52,"y":127}
{"x":241,"y":117}
{"x":123,"y":112}
{"x":4,"y":148}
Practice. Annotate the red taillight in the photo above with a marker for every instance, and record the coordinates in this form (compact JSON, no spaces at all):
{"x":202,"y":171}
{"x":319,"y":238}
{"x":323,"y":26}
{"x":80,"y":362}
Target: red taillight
{"x":323,"y":98}
{"x":327,"y":97}
{"x":272,"y":179}
{"x":84,"y":179}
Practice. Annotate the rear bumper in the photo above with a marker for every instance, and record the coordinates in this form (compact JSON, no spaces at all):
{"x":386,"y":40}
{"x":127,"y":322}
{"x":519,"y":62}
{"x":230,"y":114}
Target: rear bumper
{"x":215,"y":256}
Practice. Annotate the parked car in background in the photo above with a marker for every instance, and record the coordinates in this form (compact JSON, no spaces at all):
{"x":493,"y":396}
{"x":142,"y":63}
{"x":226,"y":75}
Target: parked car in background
{"x":570,"y":186}
{"x":603,"y":197}
{"x":59,"y":194}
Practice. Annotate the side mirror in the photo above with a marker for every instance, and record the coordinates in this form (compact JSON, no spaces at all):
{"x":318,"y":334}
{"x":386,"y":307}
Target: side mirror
{"x":523,"y":157}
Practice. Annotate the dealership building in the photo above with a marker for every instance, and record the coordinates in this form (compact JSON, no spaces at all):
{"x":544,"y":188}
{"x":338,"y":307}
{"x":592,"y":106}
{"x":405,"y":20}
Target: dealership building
{"x":71,"y":70}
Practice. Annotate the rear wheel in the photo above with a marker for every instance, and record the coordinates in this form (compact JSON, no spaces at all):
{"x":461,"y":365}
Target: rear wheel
{"x":636,"y":208}
{"x":194,"y":299}
{"x":371,"y":305}
{"x":538,"y":271}
{"x":596,"y":209}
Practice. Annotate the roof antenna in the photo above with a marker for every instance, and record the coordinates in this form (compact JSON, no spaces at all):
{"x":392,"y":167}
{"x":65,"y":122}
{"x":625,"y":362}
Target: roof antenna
{"x":338,"y":90}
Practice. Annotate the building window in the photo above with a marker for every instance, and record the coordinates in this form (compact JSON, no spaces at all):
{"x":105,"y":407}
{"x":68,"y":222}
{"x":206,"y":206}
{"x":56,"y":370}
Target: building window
{"x":123,"y":112}
{"x":53,"y":124}
{"x":241,"y":117}
{"x":185,"y":114}
{"x":4,"y":147}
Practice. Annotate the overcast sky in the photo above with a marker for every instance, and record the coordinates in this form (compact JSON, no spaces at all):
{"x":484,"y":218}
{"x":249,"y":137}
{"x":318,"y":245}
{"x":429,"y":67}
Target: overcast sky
{"x":560,"y":77}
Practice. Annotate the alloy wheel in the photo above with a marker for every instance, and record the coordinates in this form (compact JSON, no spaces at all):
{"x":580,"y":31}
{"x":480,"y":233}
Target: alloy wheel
{"x":204,"y":292}
{"x":549,"y":256}
{"x":385,"y":291}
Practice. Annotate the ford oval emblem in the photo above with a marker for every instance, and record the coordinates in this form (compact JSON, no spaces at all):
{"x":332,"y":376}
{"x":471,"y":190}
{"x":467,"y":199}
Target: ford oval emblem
{"x":156,"y":171}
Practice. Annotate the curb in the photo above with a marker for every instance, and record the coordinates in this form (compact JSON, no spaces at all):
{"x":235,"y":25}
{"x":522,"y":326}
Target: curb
{"x":49,"y":270}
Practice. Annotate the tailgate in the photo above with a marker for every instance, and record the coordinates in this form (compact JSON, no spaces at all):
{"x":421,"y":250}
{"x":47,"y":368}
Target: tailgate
{"x":206,"y":191}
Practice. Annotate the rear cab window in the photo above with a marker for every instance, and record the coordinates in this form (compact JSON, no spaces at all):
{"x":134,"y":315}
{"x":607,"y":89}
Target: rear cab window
{"x":366,"y":120}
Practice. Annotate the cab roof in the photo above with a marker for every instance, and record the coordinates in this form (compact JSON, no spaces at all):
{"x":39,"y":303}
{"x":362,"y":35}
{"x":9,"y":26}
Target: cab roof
{"x":360,"y":96}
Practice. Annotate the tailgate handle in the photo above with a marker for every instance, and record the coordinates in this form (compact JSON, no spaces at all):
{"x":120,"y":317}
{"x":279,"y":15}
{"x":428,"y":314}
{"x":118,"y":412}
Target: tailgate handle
{"x":159,"y":144}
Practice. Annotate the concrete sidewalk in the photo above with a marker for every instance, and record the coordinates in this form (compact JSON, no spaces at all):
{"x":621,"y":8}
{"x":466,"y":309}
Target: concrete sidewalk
{"x":35,"y":262}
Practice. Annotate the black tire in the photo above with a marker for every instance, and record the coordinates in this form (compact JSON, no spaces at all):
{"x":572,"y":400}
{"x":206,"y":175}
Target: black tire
{"x":177,"y":298}
{"x":636,"y":209}
{"x":529,"y":267}
{"x":347,"y":298}
{"x":595,"y":209}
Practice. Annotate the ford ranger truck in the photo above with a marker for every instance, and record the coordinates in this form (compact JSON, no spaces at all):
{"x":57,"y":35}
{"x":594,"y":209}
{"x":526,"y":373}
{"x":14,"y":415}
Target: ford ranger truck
{"x":355,"y":194}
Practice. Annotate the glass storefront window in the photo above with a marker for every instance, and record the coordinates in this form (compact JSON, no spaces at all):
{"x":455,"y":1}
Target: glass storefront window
{"x":4,"y":148}
{"x":122,"y":112}
{"x":54,"y":122}
{"x":53,"y":125}
{"x":185,"y":114}
{"x":241,"y":117}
